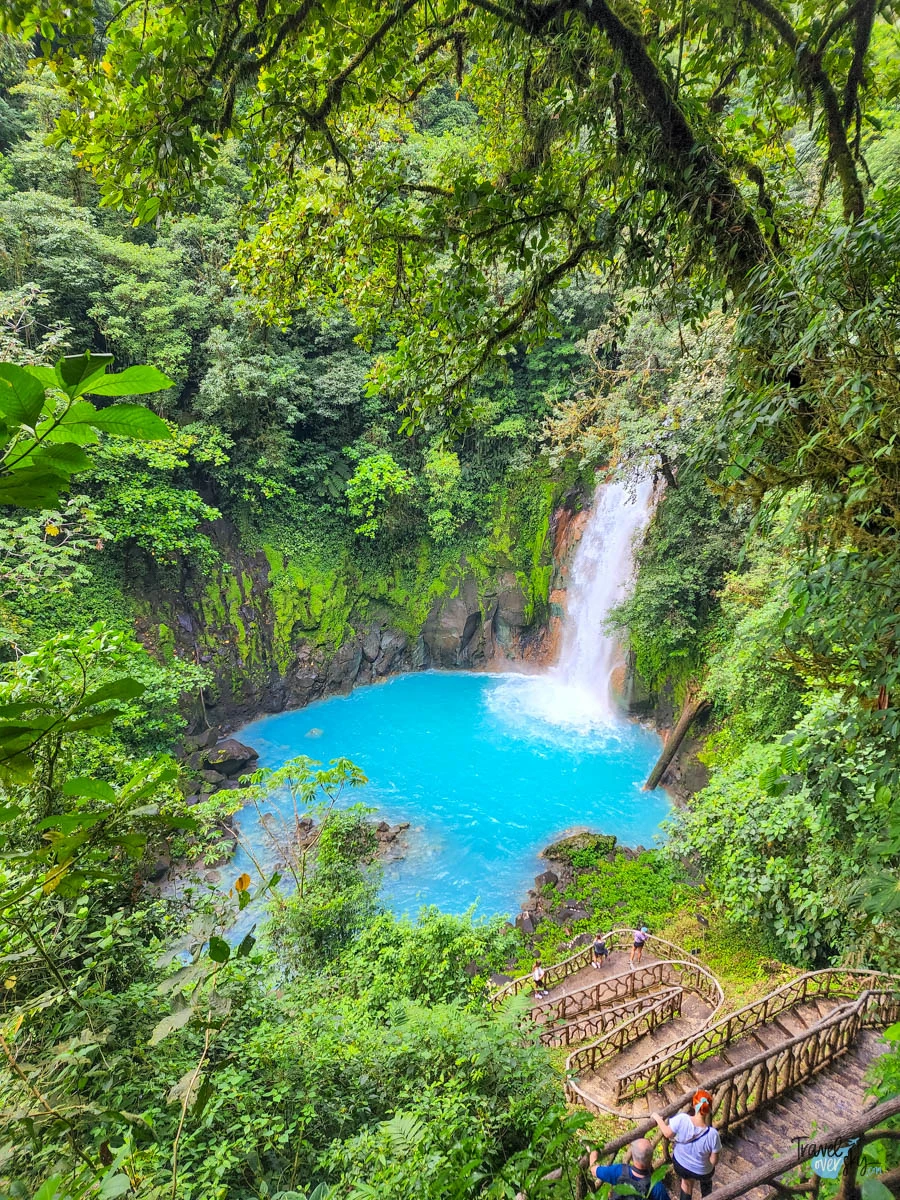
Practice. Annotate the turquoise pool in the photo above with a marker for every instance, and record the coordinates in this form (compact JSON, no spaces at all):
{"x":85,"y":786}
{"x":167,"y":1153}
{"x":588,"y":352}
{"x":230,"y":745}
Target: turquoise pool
{"x":487,"y":768}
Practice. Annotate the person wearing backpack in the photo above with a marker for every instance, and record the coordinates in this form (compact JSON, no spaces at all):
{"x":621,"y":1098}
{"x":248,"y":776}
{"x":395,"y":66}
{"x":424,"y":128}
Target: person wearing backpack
{"x":696,"y":1145}
{"x":638,"y":1174}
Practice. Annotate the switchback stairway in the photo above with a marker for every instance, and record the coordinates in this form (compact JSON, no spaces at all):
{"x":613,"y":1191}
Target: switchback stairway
{"x":789,"y":1066}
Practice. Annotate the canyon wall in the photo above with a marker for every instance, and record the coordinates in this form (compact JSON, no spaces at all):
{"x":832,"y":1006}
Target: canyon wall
{"x":279,"y":630}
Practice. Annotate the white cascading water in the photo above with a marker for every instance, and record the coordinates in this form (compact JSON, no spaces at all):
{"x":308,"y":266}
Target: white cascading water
{"x":599,"y":579}
{"x":576,"y":694}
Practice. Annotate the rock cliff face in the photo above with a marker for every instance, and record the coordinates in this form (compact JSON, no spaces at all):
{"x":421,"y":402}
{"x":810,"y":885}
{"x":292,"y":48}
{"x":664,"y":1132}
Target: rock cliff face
{"x":278,"y":633}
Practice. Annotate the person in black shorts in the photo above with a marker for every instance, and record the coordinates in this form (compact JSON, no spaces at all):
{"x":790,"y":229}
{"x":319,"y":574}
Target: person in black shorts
{"x":600,"y":951}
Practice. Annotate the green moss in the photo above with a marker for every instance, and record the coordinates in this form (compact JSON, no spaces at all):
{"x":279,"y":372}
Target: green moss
{"x":165,"y":639}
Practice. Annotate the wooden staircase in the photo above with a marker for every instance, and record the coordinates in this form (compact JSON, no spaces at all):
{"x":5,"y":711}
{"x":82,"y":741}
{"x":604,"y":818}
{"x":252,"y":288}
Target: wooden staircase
{"x":830,"y":1099}
{"x":790,"y":1066}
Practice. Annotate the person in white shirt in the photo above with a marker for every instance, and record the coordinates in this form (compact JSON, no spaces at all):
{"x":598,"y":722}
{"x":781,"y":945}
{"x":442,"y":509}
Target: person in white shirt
{"x":540,"y":992}
{"x":696,"y":1145}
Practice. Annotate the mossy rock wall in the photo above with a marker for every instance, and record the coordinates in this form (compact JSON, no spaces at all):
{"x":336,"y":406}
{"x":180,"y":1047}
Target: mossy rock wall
{"x":282,"y":624}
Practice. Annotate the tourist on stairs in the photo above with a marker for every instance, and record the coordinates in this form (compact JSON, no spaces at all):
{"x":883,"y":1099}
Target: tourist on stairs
{"x":638,"y":1174}
{"x":696,"y":1147}
{"x":601,"y":952}
{"x":540,"y":992}
{"x":637,"y":949}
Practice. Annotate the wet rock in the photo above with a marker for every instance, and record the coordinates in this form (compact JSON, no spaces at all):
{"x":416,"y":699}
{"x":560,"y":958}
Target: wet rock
{"x":393,"y":645}
{"x":372,"y":645}
{"x":569,"y":916}
{"x":546,"y":879}
{"x":382,"y":827}
{"x":313,"y":733}
{"x":200,"y":741}
{"x":160,"y":869}
{"x":230,"y":757}
{"x":525,"y":923}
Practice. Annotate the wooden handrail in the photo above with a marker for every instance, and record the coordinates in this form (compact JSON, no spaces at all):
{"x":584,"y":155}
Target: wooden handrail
{"x":605,"y":989}
{"x":745,"y":1089}
{"x":858,"y":1127}
{"x":579,"y":960}
{"x":601,"y":1021}
{"x":669,"y":1061}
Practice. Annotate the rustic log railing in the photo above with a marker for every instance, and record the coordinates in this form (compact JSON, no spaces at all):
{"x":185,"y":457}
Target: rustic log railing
{"x":741,"y":1091}
{"x":659,"y":1007}
{"x":669,"y":1062}
{"x":785,"y":1176}
{"x":616,"y":939}
{"x":666,"y":1007}
{"x":607,"y":989}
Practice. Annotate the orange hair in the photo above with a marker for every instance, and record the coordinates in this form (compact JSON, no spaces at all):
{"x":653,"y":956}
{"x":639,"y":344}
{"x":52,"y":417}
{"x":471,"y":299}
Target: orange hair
{"x":702,"y":1102}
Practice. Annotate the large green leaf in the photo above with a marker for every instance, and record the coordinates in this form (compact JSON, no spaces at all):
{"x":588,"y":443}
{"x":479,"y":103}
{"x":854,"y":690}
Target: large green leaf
{"x":169,"y":1024}
{"x":117,"y":689}
{"x":132,"y":420}
{"x":134,"y":381}
{"x":32,"y":487}
{"x":96,"y":789}
{"x":75,"y":371}
{"x":21,"y":396}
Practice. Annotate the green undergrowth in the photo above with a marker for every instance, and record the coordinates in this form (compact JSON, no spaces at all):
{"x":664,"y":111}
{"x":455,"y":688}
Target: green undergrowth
{"x":619,"y":892}
{"x":654,"y":891}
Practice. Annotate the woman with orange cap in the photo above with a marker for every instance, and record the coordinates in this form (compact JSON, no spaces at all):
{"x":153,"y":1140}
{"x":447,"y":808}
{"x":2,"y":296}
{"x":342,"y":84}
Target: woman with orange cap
{"x":696,"y":1145}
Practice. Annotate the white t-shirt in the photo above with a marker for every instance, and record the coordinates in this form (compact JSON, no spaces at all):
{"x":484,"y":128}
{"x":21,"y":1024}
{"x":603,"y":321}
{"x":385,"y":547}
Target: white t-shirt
{"x":693,"y":1144}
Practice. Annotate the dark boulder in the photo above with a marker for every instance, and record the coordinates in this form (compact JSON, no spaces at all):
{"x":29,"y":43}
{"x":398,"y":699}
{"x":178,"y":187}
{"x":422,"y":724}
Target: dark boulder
{"x":230,"y":756}
{"x":212,"y":776}
{"x":160,"y":869}
{"x":200,"y":741}
{"x":526,"y":923}
{"x":546,"y":879}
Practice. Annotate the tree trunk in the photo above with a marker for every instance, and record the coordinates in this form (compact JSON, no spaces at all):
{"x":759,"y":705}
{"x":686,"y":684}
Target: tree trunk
{"x":695,"y":703}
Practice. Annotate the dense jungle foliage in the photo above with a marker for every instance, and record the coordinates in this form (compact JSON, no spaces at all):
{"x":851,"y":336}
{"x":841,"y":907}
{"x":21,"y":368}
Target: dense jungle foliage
{"x":374,"y":286}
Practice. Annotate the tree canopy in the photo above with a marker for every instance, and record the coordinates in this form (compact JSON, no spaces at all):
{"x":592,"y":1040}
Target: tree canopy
{"x":650,"y":144}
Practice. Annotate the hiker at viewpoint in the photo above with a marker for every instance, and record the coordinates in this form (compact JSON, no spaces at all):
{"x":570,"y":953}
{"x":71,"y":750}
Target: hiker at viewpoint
{"x":537,"y":975}
{"x":696,"y":1145}
{"x":600,"y":951}
{"x":637,"y":949}
{"x":638,"y":1174}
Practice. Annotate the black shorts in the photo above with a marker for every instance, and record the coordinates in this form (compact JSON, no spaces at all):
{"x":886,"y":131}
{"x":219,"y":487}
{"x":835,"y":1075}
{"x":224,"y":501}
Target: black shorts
{"x":604,"y":953}
{"x":706,"y":1181}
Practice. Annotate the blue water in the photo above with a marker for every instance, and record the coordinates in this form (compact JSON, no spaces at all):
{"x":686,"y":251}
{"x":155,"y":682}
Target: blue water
{"x":488,"y":769}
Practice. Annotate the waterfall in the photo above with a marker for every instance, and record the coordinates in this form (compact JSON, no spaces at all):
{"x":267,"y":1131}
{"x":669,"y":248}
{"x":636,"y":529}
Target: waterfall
{"x":600,"y":575}
{"x":575,"y":697}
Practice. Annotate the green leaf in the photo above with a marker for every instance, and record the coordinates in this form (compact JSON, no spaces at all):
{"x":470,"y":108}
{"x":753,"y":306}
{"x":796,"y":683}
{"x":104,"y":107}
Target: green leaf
{"x":83,"y":785}
{"x":21,"y":395}
{"x":219,"y":950}
{"x":70,"y":821}
{"x":135,"y":381}
{"x":874,"y":1189}
{"x":114,"y":1185}
{"x":118,"y":689}
{"x":75,"y":371}
{"x":51,"y":1189}
{"x":133,"y":421}
{"x":169,"y":1024}
{"x":32,"y":487}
